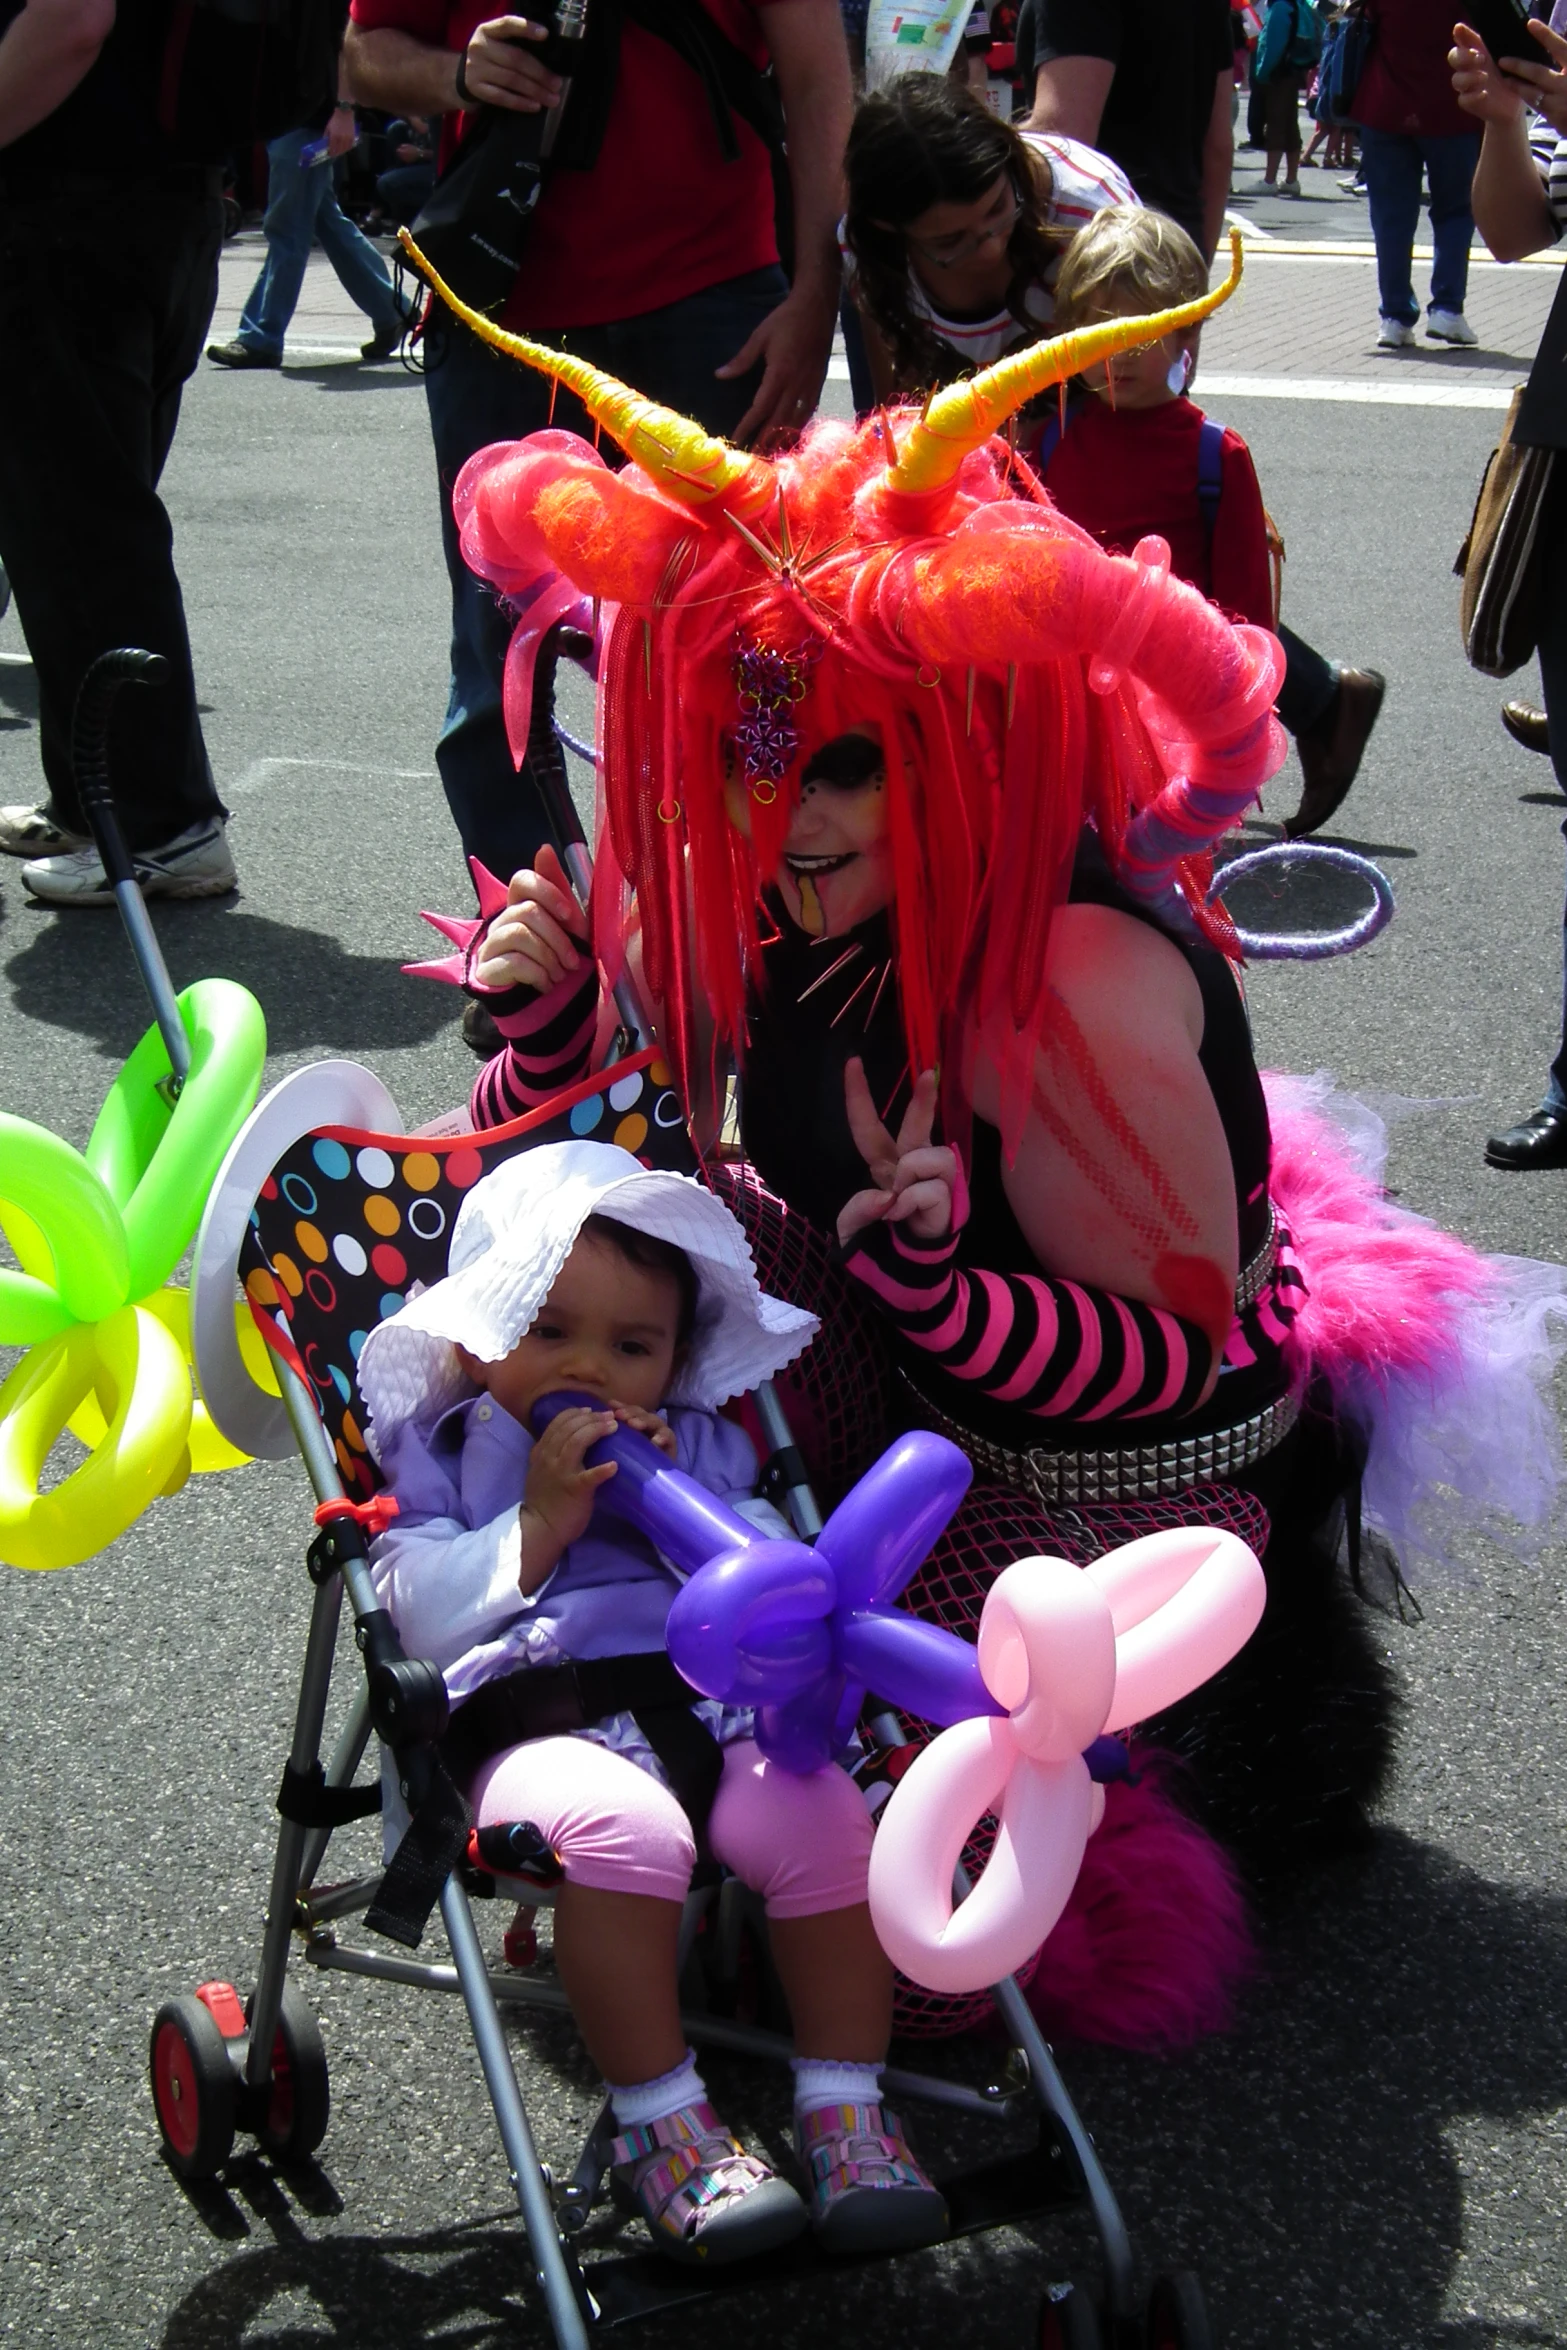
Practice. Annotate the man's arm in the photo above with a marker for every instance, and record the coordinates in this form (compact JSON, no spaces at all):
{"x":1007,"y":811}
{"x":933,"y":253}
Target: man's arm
{"x":811,"y":60}
{"x":1069,"y":97}
{"x":386,"y":67}
{"x":1218,"y":158}
{"x":44,"y":53}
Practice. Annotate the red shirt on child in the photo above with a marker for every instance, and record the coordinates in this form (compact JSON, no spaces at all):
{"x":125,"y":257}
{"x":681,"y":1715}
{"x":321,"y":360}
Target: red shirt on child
{"x":1125,"y":473}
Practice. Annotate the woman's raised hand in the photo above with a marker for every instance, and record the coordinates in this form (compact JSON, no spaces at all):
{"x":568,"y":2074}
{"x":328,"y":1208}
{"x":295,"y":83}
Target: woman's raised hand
{"x":1541,"y":82}
{"x":540,"y":936}
{"x":1482,"y":88}
{"x":913,"y":1178}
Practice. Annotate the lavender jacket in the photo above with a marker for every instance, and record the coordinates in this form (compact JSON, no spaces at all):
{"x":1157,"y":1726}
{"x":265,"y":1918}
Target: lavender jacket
{"x":447,"y":1567}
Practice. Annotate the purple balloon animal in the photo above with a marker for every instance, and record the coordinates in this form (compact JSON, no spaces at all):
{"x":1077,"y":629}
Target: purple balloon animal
{"x":803,"y":1633}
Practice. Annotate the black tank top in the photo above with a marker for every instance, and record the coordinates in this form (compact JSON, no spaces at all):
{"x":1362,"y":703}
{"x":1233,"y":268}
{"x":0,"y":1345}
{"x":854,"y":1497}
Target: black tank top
{"x":822,"y":1002}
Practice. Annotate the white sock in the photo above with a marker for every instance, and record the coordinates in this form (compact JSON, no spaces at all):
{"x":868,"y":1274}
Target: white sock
{"x":650,"y":2101}
{"x":819,"y":2081}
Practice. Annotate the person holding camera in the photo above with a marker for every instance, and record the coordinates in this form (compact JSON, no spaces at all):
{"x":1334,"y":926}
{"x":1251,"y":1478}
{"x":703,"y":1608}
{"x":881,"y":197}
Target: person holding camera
{"x":652,"y":252}
{"x":1520,"y":207}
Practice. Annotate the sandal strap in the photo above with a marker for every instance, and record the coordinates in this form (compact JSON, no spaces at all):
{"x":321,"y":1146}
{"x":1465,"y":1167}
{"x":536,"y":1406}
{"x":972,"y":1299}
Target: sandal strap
{"x":847,"y":2146}
{"x":682,"y":2164}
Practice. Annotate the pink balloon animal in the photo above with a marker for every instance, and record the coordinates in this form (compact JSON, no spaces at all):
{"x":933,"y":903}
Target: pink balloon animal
{"x":1069,"y":1653}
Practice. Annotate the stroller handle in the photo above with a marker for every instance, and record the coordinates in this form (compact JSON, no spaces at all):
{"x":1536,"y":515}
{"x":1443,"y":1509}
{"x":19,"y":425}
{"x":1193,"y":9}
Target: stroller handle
{"x":95,"y":700}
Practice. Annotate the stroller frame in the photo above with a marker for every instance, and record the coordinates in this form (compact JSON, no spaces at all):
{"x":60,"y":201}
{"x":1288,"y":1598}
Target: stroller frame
{"x":242,"y":2068}
{"x":1062,"y":2170}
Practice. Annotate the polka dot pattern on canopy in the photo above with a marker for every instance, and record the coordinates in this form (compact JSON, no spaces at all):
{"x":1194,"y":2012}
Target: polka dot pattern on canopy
{"x":347,"y":1227}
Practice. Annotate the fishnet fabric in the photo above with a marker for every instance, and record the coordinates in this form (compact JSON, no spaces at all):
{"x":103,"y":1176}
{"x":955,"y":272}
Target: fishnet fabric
{"x":838,"y":1395}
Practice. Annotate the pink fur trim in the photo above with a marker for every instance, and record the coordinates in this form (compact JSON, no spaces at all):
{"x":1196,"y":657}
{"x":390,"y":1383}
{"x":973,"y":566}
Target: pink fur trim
{"x":1387,"y":1290}
{"x":1154,"y":1944}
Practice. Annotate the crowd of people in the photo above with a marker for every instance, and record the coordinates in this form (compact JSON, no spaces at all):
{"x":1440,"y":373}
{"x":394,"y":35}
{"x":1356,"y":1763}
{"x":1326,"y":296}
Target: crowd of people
{"x":964,"y":694}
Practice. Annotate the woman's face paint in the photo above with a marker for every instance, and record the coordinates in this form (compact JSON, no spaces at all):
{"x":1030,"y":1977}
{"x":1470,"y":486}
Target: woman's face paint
{"x":837,"y":861}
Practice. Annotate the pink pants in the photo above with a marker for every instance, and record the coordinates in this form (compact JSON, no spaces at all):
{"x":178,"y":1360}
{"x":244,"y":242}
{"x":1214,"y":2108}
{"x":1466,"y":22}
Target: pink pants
{"x":803,"y":1844}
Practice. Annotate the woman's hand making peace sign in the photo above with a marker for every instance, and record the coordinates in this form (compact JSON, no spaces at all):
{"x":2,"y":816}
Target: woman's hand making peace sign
{"x":914,"y":1179}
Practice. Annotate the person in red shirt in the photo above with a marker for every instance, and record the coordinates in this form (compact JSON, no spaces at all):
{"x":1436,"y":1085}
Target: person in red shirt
{"x":1411,"y":126}
{"x":658,"y":261}
{"x":1138,"y":457}
{"x":1129,"y":461}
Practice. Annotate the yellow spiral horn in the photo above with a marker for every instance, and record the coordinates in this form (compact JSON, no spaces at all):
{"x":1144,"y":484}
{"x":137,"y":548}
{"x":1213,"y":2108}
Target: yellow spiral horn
{"x":686,"y":462}
{"x":964,"y":416}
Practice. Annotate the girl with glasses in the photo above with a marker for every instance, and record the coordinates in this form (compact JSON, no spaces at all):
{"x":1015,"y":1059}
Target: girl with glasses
{"x":955,"y":229}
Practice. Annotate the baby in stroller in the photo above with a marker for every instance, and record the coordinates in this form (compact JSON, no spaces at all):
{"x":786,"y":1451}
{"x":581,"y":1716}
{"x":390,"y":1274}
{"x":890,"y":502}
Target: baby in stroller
{"x":573,"y":1268}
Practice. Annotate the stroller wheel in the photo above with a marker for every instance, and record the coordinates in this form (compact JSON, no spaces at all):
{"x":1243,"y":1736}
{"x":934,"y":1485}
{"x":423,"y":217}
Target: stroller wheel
{"x":195,"y":2089}
{"x":1068,"y":2320}
{"x":299,"y":2101}
{"x":1177,"y":2314}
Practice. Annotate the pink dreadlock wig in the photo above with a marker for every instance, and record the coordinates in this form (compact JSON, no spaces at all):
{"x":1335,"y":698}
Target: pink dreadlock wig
{"x":908,"y":576}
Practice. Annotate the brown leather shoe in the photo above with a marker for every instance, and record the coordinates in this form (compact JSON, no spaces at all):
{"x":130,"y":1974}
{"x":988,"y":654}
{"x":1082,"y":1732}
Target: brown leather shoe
{"x":1527,"y":725}
{"x":1330,"y":754}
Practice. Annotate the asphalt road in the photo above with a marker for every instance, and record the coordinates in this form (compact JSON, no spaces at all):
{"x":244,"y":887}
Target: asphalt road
{"x":1376,"y":2155}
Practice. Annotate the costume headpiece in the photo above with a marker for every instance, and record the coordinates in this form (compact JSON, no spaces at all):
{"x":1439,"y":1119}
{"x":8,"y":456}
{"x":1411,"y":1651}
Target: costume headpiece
{"x":908,"y":575}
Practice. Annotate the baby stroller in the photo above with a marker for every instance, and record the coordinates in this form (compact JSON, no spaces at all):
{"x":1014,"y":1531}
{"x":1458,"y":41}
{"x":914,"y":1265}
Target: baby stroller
{"x":324,"y":1216}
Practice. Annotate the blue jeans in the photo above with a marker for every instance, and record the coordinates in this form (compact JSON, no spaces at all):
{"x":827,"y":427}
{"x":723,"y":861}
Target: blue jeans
{"x":476,"y":397}
{"x":1392,"y":165}
{"x":302,"y":207}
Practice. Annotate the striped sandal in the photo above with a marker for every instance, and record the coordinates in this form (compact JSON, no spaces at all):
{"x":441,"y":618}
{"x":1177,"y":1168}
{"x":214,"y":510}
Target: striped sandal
{"x":704,"y":2199}
{"x":868,"y":2194}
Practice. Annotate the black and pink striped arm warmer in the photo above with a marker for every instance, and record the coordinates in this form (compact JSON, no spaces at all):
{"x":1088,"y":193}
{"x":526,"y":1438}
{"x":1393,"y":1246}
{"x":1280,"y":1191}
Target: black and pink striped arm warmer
{"x":1045,"y":1346}
{"x":549,"y":1044}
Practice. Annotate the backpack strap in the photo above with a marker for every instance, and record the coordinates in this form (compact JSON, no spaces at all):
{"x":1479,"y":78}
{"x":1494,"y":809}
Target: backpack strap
{"x":1050,"y":434}
{"x":1210,"y":477}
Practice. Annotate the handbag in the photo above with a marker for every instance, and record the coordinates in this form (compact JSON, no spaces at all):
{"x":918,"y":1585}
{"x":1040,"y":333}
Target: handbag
{"x":1500,"y":560}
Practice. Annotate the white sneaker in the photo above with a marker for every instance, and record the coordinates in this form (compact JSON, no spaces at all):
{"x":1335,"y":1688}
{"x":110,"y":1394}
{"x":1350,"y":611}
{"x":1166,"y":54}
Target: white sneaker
{"x":33,"y":832}
{"x":1450,"y":326}
{"x":1394,"y":335}
{"x":1289,"y":187}
{"x":195,"y":864}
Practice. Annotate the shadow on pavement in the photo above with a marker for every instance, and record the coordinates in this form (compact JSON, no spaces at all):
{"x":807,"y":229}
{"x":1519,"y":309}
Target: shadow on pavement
{"x":18,"y":694}
{"x":315,"y":993}
{"x":353,"y":375}
{"x":1310,"y":2155}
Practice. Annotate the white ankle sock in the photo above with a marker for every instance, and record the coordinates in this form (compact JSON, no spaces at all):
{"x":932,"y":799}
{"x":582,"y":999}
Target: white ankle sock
{"x":817,"y":2081}
{"x":649,"y":2101}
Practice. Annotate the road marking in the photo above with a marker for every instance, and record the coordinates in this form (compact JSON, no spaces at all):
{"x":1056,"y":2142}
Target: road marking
{"x":1406,"y":392}
{"x":1352,"y":249}
{"x":1249,"y":228}
{"x":261,"y":772}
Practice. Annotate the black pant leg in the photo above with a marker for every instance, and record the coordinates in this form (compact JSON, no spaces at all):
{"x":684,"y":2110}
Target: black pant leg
{"x":105,"y":297}
{"x":1310,"y":682}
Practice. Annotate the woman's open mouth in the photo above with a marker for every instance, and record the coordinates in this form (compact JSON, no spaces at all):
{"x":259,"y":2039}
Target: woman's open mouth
{"x":817,"y":865}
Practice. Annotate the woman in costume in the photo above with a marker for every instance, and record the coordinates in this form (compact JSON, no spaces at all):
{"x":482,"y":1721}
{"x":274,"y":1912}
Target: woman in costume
{"x":908,"y":777}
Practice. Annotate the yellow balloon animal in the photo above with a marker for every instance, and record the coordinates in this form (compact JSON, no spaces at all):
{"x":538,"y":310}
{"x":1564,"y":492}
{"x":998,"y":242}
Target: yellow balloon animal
{"x":95,"y":1236}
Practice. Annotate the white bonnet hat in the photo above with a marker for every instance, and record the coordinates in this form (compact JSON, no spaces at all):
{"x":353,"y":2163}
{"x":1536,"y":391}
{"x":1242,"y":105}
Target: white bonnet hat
{"x":514,"y":1232}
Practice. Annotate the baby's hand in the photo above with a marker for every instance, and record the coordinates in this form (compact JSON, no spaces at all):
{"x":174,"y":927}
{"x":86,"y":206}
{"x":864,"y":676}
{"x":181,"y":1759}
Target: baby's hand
{"x":647,"y":1424}
{"x":540,"y":936}
{"x":558,"y":1496}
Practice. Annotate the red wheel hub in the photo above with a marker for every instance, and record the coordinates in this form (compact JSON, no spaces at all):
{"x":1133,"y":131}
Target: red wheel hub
{"x":175,"y":2090}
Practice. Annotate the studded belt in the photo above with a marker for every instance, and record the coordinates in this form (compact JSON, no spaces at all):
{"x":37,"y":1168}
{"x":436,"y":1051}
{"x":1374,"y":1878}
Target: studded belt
{"x":1255,"y":1276}
{"x":1057,"y":1477}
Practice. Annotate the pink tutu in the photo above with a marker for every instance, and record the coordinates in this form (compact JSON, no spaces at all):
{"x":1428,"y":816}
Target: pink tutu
{"x":1444,"y":1357}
